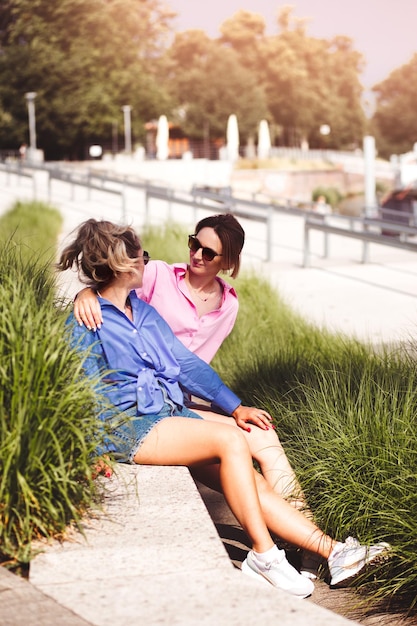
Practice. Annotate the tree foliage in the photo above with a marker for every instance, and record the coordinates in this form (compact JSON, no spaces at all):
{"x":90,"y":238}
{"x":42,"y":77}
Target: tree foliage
{"x":84,"y":60}
{"x":394,"y":122}
{"x":209,"y":83}
{"x":307,"y":81}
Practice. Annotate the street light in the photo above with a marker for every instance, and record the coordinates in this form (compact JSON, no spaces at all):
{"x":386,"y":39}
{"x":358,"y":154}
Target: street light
{"x":128,"y":139}
{"x":30,"y":98}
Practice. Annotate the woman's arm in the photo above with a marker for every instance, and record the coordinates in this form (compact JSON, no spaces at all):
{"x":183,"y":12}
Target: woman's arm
{"x":199,"y":379}
{"x":87,"y":309}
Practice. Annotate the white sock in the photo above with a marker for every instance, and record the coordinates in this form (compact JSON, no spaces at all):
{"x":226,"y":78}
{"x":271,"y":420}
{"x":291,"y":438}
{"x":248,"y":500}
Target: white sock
{"x":273,"y":554}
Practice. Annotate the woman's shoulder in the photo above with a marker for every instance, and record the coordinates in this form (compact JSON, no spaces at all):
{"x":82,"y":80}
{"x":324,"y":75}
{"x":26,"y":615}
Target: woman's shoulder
{"x":228,"y":289}
{"x":155,"y":268}
{"x":161,"y":273}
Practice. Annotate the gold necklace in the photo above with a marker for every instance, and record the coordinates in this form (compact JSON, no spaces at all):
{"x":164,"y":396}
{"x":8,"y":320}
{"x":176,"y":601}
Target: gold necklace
{"x":197,"y":293}
{"x":199,"y":297}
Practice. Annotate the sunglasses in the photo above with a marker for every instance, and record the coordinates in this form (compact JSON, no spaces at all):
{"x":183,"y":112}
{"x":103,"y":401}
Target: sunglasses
{"x":207,"y":253}
{"x":145,"y":256}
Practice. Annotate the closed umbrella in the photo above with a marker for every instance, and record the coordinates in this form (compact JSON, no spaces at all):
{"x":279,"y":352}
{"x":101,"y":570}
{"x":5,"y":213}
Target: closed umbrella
{"x":264,"y":140}
{"x":162,"y":138}
{"x":232,"y":136}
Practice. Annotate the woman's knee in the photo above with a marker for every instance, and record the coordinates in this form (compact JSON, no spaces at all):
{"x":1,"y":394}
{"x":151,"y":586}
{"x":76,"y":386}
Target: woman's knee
{"x":234,"y":439}
{"x":263,"y":440}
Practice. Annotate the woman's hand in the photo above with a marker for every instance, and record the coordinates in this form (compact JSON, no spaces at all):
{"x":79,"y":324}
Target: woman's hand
{"x":250,"y":414}
{"x":87,"y":309}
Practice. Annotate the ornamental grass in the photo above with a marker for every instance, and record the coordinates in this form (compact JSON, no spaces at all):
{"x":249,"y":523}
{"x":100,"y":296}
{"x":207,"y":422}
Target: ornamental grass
{"x":47,"y":426}
{"x":346,"y":413}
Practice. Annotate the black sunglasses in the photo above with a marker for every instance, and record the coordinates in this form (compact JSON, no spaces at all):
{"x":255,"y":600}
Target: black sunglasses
{"x":145,"y":257}
{"x":207,"y":253}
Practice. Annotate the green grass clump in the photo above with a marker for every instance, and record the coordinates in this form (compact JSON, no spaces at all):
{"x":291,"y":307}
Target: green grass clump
{"x":47,"y":423}
{"x":347,"y":416}
{"x":33,"y":226}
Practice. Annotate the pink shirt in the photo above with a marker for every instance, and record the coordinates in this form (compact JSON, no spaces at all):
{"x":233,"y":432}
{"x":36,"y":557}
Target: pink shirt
{"x":164,"y":287}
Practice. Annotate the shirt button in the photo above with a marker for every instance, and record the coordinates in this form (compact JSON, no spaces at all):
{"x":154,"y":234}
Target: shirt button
{"x":139,"y":388}
{"x":144,"y":354}
{"x":135,"y":330}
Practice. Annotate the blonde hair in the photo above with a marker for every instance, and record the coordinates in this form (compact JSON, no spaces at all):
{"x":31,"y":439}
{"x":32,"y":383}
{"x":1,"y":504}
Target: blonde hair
{"x":100,"y":252}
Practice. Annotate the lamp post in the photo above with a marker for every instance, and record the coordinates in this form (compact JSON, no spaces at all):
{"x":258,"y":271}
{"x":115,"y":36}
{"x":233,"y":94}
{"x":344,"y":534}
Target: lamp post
{"x":128,"y":138}
{"x":30,"y":99}
{"x":115,"y":138}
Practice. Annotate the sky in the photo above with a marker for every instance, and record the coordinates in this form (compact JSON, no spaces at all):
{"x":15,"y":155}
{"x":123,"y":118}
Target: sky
{"x":384,"y":31}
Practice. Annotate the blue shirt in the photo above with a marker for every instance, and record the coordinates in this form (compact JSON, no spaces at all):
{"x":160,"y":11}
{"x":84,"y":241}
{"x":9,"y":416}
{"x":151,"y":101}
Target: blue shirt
{"x":143,"y":356}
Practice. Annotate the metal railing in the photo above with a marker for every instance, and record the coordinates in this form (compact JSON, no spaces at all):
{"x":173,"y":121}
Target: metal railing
{"x":367,"y":230}
{"x":378,"y":231}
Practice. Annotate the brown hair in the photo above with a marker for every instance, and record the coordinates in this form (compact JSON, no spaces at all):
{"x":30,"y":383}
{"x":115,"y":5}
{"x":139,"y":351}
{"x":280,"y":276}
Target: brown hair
{"x":100,"y":251}
{"x":231,"y":235}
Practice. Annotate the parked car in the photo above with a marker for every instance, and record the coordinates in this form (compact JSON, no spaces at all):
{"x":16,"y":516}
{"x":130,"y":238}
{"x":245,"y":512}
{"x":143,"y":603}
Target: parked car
{"x":399,"y":207}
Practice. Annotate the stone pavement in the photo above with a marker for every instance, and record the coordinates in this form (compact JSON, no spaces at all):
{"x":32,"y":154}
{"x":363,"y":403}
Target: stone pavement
{"x":156,"y":557}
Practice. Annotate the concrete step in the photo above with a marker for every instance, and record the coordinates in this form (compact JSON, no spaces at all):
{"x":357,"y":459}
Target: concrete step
{"x":154,"y":556}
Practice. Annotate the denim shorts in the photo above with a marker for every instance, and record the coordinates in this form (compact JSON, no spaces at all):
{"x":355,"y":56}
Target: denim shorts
{"x":126,"y":431}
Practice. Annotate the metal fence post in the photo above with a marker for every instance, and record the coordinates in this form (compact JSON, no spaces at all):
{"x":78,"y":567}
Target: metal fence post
{"x":123,"y":194}
{"x":365,"y":246}
{"x":306,"y":255}
{"x":326,"y":245}
{"x":269,"y":224}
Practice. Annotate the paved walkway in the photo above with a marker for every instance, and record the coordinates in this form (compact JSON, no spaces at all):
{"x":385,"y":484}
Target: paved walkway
{"x":156,"y":557}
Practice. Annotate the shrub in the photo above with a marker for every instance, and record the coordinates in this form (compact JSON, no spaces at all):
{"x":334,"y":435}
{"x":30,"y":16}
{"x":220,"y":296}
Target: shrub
{"x":331,"y":194}
{"x":46,"y":412}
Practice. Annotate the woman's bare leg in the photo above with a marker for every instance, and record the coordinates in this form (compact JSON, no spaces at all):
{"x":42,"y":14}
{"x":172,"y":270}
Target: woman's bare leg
{"x":267,"y":450}
{"x":281,"y":518}
{"x":184,"y":441}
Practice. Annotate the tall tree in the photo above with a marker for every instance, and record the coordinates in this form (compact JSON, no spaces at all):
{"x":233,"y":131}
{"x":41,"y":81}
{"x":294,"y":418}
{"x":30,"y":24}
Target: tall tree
{"x":394,"y":121}
{"x":308,"y":81}
{"x":85,"y":60}
{"x":210,"y":83}
{"x":245,"y":33}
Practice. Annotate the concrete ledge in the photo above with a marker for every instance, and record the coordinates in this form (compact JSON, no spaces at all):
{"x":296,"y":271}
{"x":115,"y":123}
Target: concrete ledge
{"x":154,"y":557}
{"x":23,"y":605}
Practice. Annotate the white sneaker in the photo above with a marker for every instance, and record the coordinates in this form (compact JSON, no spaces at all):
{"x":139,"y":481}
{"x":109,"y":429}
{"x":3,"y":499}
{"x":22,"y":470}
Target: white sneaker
{"x":278,"y":573}
{"x":349,"y":558}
